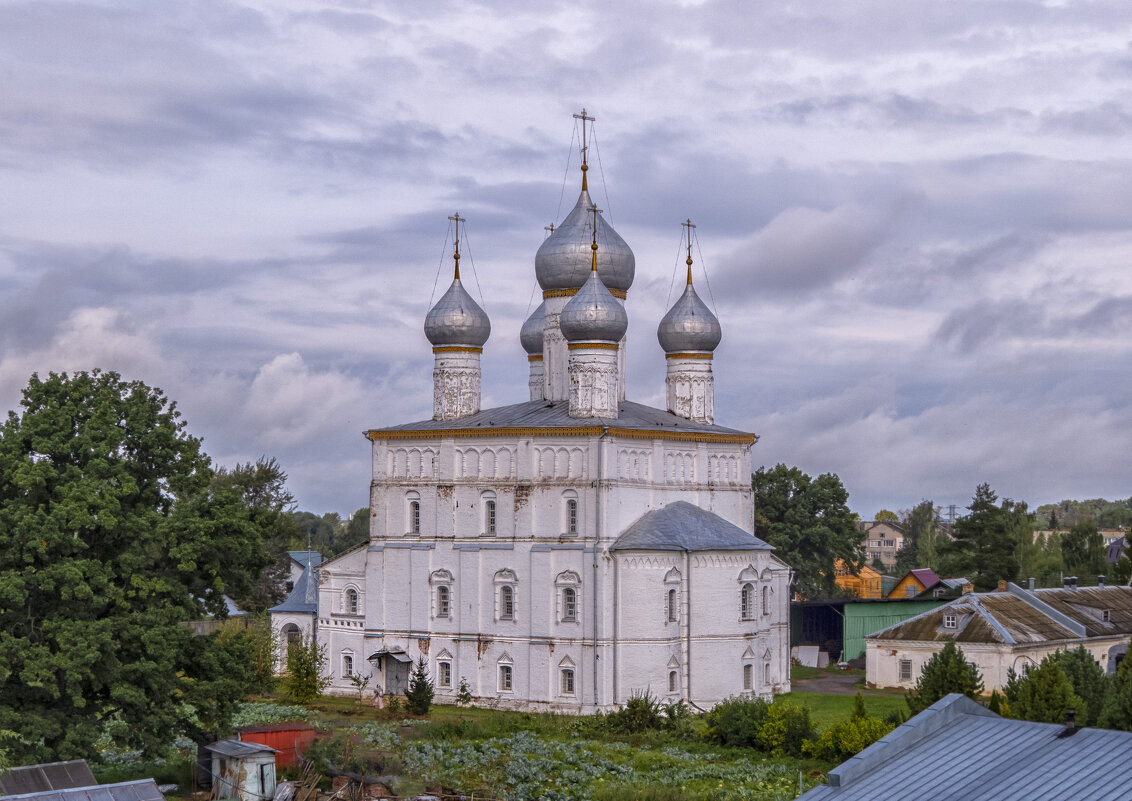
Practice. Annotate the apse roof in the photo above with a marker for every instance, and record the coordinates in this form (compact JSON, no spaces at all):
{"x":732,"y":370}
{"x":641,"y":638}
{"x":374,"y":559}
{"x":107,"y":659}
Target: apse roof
{"x":680,"y":526}
{"x":299,"y":600}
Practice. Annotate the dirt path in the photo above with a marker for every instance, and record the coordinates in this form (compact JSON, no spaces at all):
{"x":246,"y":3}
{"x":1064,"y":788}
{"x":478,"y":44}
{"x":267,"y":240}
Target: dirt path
{"x":834,"y":684}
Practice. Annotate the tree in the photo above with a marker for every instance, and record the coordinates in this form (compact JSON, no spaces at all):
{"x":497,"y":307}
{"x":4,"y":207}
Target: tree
{"x":464,"y":694}
{"x":886,"y":516}
{"x":1088,"y":680}
{"x":920,"y":547}
{"x":984,"y":543}
{"x":111,"y":534}
{"x":809,"y":522}
{"x":306,"y":670}
{"x":1082,"y":550}
{"x":1117,"y":712}
{"x":418,"y":698}
{"x":1043,"y":694}
{"x":946,"y":672}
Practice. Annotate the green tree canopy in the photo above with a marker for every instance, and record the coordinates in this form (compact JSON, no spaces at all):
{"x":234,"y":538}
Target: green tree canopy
{"x":112,"y":532}
{"x":984,"y":544}
{"x":1043,"y":694}
{"x":886,"y":516}
{"x":1082,"y":550}
{"x":1088,"y":681}
{"x":808,"y":521}
{"x":946,"y":672}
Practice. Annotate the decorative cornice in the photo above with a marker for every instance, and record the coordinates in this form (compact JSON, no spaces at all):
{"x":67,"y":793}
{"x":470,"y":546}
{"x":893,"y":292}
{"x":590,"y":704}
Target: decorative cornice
{"x":696,"y":354}
{"x":683,"y":436}
{"x":456,"y":349}
{"x":593,"y":346}
{"x":572,"y":431}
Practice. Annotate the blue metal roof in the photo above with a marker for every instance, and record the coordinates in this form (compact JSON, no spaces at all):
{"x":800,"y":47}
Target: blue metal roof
{"x":956,"y":749}
{"x":680,"y":526}
{"x":300,"y":557}
{"x":304,"y":597}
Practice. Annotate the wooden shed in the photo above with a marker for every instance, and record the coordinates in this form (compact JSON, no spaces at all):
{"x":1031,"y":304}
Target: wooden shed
{"x":242,"y":770}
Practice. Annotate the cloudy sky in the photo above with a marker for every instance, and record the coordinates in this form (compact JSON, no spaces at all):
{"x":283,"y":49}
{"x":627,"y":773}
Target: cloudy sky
{"x":915,"y":217}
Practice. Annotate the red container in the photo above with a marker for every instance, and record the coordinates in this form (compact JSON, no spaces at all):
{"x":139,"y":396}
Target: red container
{"x":289,"y":739}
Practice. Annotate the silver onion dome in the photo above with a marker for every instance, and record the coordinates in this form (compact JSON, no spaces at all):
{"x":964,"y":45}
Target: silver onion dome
{"x":456,"y":319}
{"x":689,"y":325}
{"x":593,"y":315}
{"x":563,"y":260}
{"x":530,"y":335}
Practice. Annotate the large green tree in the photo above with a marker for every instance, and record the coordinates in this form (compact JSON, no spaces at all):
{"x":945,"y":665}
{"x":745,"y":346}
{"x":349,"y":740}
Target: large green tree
{"x":947,"y":671}
{"x":1043,"y":694}
{"x":112,"y":532}
{"x":808,"y":521}
{"x":984,"y":544}
{"x":1083,"y":550}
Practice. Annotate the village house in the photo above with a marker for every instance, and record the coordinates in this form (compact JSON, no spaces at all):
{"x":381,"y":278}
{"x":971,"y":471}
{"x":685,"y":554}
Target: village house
{"x":567,"y":551}
{"x":1013,"y":629}
{"x":882,"y":540}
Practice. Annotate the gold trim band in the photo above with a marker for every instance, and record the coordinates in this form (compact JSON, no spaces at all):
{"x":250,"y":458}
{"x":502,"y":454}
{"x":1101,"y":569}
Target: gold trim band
{"x":621,"y":294}
{"x":535,"y":358}
{"x":456,"y":349}
{"x":594,"y":345}
{"x":580,"y":431}
{"x":690,"y":355}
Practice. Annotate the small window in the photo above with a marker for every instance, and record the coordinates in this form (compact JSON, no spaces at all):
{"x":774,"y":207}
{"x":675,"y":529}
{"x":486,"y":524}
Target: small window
{"x":766,"y":674}
{"x":506,"y":602}
{"x":910,"y":591}
{"x":505,"y":678}
{"x":748,"y":677}
{"x":569,"y":605}
{"x":672,"y":606}
{"x":950,"y":622}
{"x":414,"y":517}
{"x":766,"y":600}
{"x":747,"y":602}
{"x":351,"y":603}
{"x":567,"y":681}
{"x":673,"y":681}
{"x":571,"y":516}
{"x":443,"y":601}
{"x":1105,"y":615}
{"x":444,"y":674}
{"x":489,"y":516}
{"x":905,"y":669}
{"x":347,"y":666}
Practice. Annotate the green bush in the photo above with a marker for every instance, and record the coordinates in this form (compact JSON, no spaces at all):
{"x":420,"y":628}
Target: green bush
{"x":305,"y":680}
{"x":847,"y":737}
{"x":736,"y":721}
{"x":785,"y":730}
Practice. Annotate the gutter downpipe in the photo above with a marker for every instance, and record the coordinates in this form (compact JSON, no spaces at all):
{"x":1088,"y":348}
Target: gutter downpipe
{"x":597,"y":544}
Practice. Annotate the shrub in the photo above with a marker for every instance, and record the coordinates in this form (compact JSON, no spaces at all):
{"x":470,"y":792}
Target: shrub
{"x":784,"y":730}
{"x":847,"y":737}
{"x":305,"y":662}
{"x":736,"y":721}
{"x":418,"y":698}
{"x":463,"y":695}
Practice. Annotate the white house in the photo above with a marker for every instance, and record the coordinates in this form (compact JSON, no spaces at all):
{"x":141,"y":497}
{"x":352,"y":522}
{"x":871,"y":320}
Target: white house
{"x":999,"y":631}
{"x":567,"y":551}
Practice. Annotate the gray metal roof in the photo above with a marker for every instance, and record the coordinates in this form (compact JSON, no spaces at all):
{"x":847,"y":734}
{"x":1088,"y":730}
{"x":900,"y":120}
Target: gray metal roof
{"x":593,"y":314}
{"x":300,"y":557}
{"x":140,"y":790}
{"x":556,"y":414}
{"x":680,"y":526}
{"x":47,"y":776}
{"x":563,"y":259}
{"x":956,"y":749}
{"x":689,"y":325}
{"x":303,"y":598}
{"x":456,"y":319}
{"x":239,"y":749}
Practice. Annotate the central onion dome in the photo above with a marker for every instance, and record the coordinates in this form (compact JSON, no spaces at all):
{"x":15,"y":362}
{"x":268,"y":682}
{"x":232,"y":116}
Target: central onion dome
{"x":593,"y":314}
{"x":530,"y":335}
{"x":456,"y":319}
{"x":689,"y":325}
{"x":563,"y":260}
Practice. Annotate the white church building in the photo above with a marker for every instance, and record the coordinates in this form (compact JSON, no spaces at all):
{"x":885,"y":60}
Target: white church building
{"x":565,"y":552}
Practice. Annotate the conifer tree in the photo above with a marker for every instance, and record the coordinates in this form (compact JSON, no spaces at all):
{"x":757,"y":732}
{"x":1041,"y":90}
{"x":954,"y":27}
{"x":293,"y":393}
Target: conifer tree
{"x":1043,"y":694}
{"x":946,"y":672}
{"x":1117,"y":712}
{"x":1089,"y":682}
{"x":464,"y":694}
{"x":418,"y":698}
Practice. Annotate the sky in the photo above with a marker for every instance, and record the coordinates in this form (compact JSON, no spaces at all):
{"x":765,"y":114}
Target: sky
{"x":914,"y":218}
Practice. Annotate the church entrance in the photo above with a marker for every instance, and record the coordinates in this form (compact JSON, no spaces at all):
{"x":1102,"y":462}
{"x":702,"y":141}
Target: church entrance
{"x":392,"y":670}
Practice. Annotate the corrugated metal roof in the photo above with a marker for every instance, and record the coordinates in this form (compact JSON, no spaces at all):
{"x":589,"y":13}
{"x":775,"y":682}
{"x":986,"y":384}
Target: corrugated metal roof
{"x":680,"y":526}
{"x":301,"y":600}
{"x":141,"y":790}
{"x":47,"y":776}
{"x":300,"y":557}
{"x":556,"y":414}
{"x":1023,"y":616}
{"x":956,"y":749}
{"x":239,"y":749}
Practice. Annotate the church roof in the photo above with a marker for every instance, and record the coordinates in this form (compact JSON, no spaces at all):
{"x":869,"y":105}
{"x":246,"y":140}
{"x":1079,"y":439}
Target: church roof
{"x":680,"y":526}
{"x":303,"y":598}
{"x":556,"y":414}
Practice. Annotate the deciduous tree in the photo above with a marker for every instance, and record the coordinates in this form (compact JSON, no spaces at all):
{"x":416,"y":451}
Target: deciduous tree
{"x":808,"y":521}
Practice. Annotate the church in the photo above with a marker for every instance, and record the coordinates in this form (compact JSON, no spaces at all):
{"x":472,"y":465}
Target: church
{"x":566,"y":552}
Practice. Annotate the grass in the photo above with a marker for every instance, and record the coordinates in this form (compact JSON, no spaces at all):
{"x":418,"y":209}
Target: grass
{"x":827,"y":709}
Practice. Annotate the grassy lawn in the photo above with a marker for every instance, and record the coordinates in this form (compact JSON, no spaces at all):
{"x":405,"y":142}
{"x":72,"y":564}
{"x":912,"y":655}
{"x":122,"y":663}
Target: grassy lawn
{"x":827,"y":709}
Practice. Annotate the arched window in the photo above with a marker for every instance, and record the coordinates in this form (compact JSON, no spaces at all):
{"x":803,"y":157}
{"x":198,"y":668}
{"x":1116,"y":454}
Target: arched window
{"x":569,"y":605}
{"x":566,"y":585}
{"x":766,"y":600}
{"x":766,"y":673}
{"x":506,"y":602}
{"x":350,"y":602}
{"x":489,"y":516}
{"x":673,"y":681}
{"x":671,"y":609}
{"x":347,"y":666}
{"x":444,"y":674}
{"x":747,"y":602}
{"x":748,"y":677}
{"x":505,"y":683}
{"x":292,"y":635}
{"x":571,"y":515}
{"x":566,"y":681}
{"x":414,"y":513}
{"x":443,"y":601}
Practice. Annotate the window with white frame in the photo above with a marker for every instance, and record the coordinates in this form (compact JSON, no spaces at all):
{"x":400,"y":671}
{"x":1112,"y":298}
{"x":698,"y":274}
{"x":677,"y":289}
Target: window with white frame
{"x":413,"y":512}
{"x":673,"y":681}
{"x":569,"y":605}
{"x":766,"y":674}
{"x":350,"y":601}
{"x":506,"y":602}
{"x":748,"y":677}
{"x":444,"y":674}
{"x":747,"y":601}
{"x":347,"y":665}
{"x":489,"y":513}
{"x":950,"y":621}
{"x":566,"y":680}
{"x":505,"y":678}
{"x":671,"y":609}
{"x":905,"y":669}
{"x":444,"y":601}
{"x":571,"y":515}
{"x":766,"y":600}
{"x":569,"y":600}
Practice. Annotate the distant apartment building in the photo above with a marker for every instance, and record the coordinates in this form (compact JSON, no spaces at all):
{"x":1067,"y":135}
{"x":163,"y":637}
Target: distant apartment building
{"x":882,"y":540}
